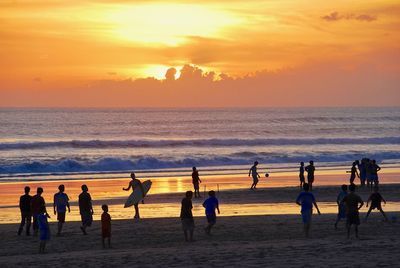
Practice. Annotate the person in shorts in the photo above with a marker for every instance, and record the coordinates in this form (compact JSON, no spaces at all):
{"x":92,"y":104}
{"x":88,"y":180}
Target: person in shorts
{"x":306,"y":200}
{"x":196,"y":182}
{"x":211,"y":204}
{"x":353,"y":204}
{"x":85,"y":209}
{"x":105,"y":226}
{"x":376,"y":203}
{"x":254,"y":174}
{"x":25,"y":208}
{"x":310,"y":174}
{"x":60,"y":207}
{"x":341,"y":207}
{"x":43,"y":228}
{"x":374,"y":173}
{"x":187,"y":216}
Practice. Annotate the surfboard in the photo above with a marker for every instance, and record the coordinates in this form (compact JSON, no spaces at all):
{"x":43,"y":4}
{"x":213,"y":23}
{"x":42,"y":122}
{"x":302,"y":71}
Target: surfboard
{"x":137,"y":196}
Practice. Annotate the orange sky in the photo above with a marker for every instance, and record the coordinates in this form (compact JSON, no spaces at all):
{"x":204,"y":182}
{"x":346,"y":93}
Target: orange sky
{"x":237,"y":53}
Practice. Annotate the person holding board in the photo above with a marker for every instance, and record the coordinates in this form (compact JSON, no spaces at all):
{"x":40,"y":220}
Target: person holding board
{"x":135,"y":184}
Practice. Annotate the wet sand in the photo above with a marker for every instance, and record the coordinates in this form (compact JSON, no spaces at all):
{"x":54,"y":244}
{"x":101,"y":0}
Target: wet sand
{"x":247,"y":234}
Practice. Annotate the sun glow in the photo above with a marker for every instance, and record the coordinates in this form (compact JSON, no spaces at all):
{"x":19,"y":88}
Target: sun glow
{"x":168,"y":24}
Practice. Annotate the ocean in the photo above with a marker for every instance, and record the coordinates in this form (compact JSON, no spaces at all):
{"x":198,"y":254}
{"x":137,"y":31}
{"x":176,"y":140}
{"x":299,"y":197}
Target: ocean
{"x":48,"y":143}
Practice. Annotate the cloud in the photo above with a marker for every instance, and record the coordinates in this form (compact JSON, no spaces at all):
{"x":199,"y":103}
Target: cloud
{"x":335,"y":16}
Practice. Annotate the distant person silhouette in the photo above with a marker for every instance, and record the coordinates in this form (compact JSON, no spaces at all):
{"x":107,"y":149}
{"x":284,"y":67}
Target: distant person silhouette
{"x":353,"y":204}
{"x":196,"y":182}
{"x":187,"y":216}
{"x":374,"y":173}
{"x":135,"y":183}
{"x":60,"y":206}
{"x":341,"y":206}
{"x":301,"y":175}
{"x":37,"y":202}
{"x":105,"y":226}
{"x":353,"y":172}
{"x":85,"y":208}
{"x":368,"y":173}
{"x":211,"y":204}
{"x":362,"y":171}
{"x":25,"y":208}
{"x":43,"y":227}
{"x":306,"y":200}
{"x":310,"y":174}
{"x":255,"y":175}
{"x":376,"y":203}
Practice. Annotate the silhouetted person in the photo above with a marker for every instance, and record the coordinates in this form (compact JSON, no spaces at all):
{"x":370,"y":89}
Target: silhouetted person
{"x":196,"y":182}
{"x":368,"y":172}
{"x":37,"y":202}
{"x":310,"y":174}
{"x":341,"y":206}
{"x":25,"y":208}
{"x":353,"y":204}
{"x":362,"y":171}
{"x":187,"y":216}
{"x":255,"y":175}
{"x":105,"y":226}
{"x":210,"y":204}
{"x":374,"y":173}
{"x":376,"y":203}
{"x":306,"y":200}
{"x":43,"y":227}
{"x":85,"y":209}
{"x":301,"y":175}
{"x":135,"y":183}
{"x":60,"y":207}
{"x":353,"y":172}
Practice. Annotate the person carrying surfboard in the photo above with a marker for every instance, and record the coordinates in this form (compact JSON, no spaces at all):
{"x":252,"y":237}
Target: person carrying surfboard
{"x":134,"y":184}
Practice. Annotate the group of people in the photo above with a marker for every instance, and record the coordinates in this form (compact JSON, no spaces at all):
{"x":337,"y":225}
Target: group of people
{"x":349,"y":204}
{"x":35,"y":207}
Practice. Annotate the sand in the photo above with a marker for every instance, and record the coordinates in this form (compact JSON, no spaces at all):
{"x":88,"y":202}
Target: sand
{"x":239,"y":241}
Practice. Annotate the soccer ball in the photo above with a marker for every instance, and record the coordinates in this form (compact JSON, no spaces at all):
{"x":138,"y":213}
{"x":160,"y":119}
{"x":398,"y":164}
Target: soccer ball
{"x":266,"y":175}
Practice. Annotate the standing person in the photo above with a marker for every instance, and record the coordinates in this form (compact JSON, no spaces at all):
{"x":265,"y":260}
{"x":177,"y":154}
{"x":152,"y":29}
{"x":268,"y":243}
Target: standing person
{"x":306,"y":200}
{"x":374,"y":173}
{"x":135,"y":183}
{"x":37,"y":202}
{"x":353,"y":204}
{"x":255,"y":175}
{"x":187,"y":216}
{"x":341,"y":206}
{"x":85,"y":208}
{"x":376,"y":202}
{"x":210,"y":205}
{"x":43,"y":227}
{"x":60,"y":206}
{"x":196,"y":182}
{"x":353,"y":172}
{"x":25,"y":208}
{"x":362,"y":171}
{"x":301,"y":175}
{"x":368,"y":173}
{"x":105,"y":226}
{"x":310,"y":174}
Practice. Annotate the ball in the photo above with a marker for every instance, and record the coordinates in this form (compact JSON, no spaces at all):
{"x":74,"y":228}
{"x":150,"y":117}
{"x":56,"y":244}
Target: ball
{"x":266,"y":175}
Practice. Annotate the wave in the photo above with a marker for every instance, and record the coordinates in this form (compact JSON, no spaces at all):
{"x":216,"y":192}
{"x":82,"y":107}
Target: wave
{"x":88,"y":144}
{"x":146,"y":163}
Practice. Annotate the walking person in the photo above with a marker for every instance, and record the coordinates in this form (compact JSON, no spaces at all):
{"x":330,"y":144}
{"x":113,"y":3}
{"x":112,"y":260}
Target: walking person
{"x":353,"y":204}
{"x":85,"y":208}
{"x":301,"y":175}
{"x":306,"y":200}
{"x":26,"y":214}
{"x":310,"y":174}
{"x":255,"y":175}
{"x":187,"y":216}
{"x":37,"y":203}
{"x":341,"y":206}
{"x":135,"y":183}
{"x":61,"y":203}
{"x":196,"y":182}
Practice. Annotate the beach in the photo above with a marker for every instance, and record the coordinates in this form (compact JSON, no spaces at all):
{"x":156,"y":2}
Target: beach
{"x":255,"y":228}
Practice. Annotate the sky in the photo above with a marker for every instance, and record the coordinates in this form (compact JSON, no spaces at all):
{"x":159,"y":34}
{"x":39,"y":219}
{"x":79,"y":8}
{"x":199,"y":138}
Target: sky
{"x":237,"y":53}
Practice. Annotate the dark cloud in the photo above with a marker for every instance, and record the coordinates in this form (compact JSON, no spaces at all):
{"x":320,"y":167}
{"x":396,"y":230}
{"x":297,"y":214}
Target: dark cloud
{"x":336,"y":16}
